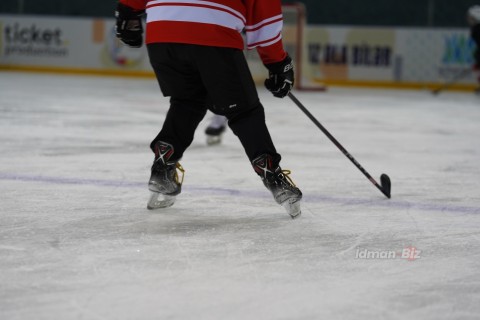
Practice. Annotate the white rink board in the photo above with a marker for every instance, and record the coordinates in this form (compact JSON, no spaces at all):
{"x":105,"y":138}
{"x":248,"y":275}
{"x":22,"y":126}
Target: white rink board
{"x":73,"y":43}
{"x":389,"y":54}
{"x":343,"y":53}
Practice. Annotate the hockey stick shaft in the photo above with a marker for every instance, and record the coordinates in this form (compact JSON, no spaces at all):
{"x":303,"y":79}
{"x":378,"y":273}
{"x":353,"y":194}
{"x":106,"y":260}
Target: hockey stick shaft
{"x":385,"y":190}
{"x":462,"y":74}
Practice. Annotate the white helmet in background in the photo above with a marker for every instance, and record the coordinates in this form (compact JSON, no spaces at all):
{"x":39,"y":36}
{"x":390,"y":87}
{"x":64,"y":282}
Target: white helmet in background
{"x":474,"y":13}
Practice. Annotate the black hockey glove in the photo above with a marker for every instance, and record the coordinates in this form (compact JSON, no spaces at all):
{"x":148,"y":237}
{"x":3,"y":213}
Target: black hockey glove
{"x":129,"y":26}
{"x":280,"y":77}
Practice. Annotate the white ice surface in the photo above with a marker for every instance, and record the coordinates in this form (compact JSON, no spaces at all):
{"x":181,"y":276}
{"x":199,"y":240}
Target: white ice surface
{"x":77,"y":242}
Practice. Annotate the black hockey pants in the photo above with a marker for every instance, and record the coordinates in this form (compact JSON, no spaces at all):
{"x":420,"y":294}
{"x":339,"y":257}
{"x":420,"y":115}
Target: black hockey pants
{"x":198,"y":78}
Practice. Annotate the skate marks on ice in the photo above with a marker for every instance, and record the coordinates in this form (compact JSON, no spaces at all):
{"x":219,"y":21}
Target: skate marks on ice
{"x":196,"y":191}
{"x":77,"y":242}
{"x":108,"y":259}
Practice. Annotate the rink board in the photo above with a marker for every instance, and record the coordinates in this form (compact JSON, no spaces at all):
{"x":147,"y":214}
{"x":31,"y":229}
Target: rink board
{"x":332,"y":54}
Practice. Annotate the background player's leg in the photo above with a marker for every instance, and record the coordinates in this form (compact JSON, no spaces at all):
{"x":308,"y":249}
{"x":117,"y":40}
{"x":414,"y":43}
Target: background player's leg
{"x":216,"y":129}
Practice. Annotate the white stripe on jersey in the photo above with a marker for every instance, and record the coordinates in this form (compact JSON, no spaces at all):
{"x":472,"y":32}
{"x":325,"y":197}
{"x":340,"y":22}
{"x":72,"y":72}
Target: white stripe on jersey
{"x":264,"y":33}
{"x":255,"y":26}
{"x":195,"y":13}
{"x":183,"y":3}
{"x":266,"y":44}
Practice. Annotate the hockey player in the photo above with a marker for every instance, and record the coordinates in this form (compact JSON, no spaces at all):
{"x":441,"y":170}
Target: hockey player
{"x":196,"y":51}
{"x":473,"y":18}
{"x":215,"y":129}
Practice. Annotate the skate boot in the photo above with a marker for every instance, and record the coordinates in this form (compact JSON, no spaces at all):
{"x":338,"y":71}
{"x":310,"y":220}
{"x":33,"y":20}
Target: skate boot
{"x":215,"y":129}
{"x":279,"y":183}
{"x":165,"y":183}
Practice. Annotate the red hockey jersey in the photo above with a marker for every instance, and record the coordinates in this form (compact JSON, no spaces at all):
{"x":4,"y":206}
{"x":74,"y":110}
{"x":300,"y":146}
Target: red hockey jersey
{"x":216,"y":23}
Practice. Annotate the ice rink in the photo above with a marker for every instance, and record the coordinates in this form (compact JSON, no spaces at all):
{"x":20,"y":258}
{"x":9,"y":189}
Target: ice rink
{"x":77,"y":242}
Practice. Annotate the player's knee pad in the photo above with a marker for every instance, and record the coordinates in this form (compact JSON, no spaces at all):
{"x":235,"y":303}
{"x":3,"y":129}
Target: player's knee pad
{"x":235,"y":112}
{"x":254,"y":112}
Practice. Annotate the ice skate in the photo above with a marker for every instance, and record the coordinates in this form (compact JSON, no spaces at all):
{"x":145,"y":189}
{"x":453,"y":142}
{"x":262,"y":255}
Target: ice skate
{"x":215,"y":129}
{"x":280,"y":184}
{"x":165,"y":183}
{"x":159,"y":201}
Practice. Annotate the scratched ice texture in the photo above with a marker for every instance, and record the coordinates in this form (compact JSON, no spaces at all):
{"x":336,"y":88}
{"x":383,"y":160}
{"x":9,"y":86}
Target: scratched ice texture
{"x":77,"y":242}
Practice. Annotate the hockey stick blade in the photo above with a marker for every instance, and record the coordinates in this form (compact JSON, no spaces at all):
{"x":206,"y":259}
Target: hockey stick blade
{"x":386,"y":185}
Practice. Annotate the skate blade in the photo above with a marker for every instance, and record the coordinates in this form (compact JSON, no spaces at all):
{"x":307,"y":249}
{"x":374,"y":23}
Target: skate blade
{"x":159,"y":201}
{"x":293,"y":208}
{"x":213,"y":140}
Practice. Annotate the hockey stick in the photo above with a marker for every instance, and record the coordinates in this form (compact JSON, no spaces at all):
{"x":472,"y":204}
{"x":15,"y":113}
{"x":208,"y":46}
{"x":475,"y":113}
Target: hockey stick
{"x":462,"y":74}
{"x":385,"y":186}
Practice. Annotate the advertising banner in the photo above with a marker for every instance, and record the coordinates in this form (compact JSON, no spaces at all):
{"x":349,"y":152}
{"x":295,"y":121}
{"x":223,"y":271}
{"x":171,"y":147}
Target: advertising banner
{"x":392,"y":55}
{"x":71,"y":43}
{"x":335,"y":54}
